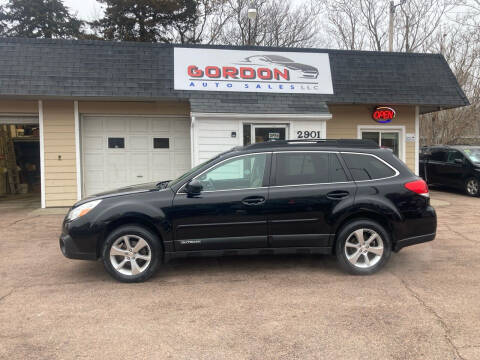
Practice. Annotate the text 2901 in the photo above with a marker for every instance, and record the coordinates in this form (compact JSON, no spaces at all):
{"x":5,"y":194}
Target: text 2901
{"x":308,"y":134}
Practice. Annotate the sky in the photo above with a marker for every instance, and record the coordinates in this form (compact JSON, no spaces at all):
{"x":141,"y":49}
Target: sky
{"x":91,"y":9}
{"x":86,"y":9}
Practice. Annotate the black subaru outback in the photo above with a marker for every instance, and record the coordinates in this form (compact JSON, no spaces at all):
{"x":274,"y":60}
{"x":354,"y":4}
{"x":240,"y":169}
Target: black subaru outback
{"x":343,"y":197}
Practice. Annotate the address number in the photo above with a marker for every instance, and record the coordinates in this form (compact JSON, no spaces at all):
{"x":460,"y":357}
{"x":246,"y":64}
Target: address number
{"x":308,"y":134}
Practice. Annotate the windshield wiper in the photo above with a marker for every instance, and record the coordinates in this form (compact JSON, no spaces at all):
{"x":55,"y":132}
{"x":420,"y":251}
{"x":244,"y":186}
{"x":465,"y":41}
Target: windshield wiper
{"x":162,"y":184}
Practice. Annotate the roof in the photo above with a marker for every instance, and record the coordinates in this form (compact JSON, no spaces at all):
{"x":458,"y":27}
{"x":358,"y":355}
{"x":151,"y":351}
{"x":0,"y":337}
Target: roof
{"x":85,"y":69}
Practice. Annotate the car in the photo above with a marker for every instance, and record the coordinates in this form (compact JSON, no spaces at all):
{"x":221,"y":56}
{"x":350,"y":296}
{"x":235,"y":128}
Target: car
{"x":347,"y":198}
{"x":455,"y":166}
{"x":305,"y":71}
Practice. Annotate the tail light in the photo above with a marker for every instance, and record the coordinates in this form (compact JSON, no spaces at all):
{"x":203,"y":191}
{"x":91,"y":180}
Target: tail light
{"x":419,"y":187}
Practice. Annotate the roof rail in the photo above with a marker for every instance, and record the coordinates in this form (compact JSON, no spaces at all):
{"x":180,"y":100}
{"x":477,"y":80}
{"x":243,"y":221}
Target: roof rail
{"x":347,"y":143}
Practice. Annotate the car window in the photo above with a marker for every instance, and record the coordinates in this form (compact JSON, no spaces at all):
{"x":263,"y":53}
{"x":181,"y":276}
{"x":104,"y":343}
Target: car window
{"x":453,"y":155}
{"x":296,"y":168}
{"x":237,"y":173}
{"x":473,"y":154}
{"x":337,"y":172}
{"x":438,"y":155}
{"x":367,"y":167}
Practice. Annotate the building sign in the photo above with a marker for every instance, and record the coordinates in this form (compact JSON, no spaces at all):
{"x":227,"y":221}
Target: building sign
{"x":383,"y":114}
{"x":252,"y":71}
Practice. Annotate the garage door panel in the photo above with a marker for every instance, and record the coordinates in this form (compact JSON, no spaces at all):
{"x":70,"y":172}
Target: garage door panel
{"x":115,"y":124}
{"x":139,"y":125}
{"x":139,"y":161}
{"x":93,"y":161}
{"x":93,"y":142}
{"x":181,"y":161}
{"x":161,"y":125}
{"x":92,"y":126}
{"x":182,"y":144}
{"x":139,"y":169}
{"x":116,"y":169}
{"x":138,"y":142}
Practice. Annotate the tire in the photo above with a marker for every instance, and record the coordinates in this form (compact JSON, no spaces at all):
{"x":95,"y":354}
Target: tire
{"x":131,"y":266}
{"x":358,"y":260}
{"x":472,"y":187}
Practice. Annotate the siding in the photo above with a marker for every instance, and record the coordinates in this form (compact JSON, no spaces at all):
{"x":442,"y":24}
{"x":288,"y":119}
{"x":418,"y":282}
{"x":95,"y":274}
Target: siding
{"x":346,"y":119}
{"x":59,"y":140}
{"x":18,"y":107}
{"x":214,"y":136}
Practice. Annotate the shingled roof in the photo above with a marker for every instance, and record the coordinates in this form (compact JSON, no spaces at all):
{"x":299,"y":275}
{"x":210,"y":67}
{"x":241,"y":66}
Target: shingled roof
{"x":45,"y":68}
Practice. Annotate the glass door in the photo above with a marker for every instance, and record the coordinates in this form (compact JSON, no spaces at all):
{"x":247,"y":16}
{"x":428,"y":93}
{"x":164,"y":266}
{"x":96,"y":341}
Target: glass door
{"x":385,"y":139}
{"x":263,"y":133}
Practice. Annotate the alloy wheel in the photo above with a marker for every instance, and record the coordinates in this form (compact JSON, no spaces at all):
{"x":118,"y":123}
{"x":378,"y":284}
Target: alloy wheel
{"x":364,"y":248}
{"x":130,"y":255}
{"x":472,"y":187}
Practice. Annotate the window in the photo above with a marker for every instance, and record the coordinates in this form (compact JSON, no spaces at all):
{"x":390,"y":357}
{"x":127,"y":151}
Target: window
{"x":116,"y":143}
{"x":308,"y":168}
{"x":438,"y":155}
{"x":237,"y":173}
{"x":161,"y":143}
{"x":385,"y":139}
{"x":337,"y":173}
{"x":454,"y":155}
{"x":366,"y":167}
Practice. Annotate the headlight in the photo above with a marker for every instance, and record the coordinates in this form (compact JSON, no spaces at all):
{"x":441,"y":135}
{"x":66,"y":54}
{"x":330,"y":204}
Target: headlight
{"x":82,"y":210}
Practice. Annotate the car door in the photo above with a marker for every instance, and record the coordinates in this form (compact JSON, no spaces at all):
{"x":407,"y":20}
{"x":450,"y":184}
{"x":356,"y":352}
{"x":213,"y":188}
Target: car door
{"x":305,"y":189}
{"x":455,"y":169}
{"x":229,"y":213}
{"x":435,"y":167}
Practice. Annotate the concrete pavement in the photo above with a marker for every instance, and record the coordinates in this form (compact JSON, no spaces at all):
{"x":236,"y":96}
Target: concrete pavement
{"x":422,"y":305}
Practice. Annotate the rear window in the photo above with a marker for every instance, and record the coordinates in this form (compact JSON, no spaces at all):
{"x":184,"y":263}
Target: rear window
{"x":367,"y":167}
{"x":308,"y":168}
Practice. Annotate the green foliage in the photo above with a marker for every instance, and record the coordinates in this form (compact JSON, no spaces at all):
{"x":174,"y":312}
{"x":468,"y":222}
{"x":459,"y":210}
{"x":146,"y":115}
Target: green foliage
{"x":38,"y":19}
{"x":145,"y":20}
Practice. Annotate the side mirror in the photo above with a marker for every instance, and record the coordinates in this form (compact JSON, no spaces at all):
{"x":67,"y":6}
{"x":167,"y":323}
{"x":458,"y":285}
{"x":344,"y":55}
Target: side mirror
{"x":458,"y":161}
{"x":194,"y":187}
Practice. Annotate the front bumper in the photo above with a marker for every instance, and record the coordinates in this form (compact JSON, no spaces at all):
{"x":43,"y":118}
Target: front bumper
{"x":413,"y":241}
{"x":71,"y":251}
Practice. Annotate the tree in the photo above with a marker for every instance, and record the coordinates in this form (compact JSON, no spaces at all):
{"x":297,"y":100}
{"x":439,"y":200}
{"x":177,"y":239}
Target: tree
{"x":278,"y":23}
{"x":39,"y":19}
{"x":146,"y":20}
{"x":363,"y":24}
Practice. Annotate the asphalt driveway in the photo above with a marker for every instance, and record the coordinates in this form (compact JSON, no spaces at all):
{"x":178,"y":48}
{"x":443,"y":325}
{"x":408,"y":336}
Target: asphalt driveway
{"x":423,"y":305}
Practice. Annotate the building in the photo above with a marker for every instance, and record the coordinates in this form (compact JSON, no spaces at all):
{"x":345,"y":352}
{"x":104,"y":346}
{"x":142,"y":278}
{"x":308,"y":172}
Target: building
{"x":111,"y":114}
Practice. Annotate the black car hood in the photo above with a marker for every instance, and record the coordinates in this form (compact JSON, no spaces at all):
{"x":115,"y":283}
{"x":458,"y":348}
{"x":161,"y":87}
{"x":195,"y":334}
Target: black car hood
{"x":134,"y":189}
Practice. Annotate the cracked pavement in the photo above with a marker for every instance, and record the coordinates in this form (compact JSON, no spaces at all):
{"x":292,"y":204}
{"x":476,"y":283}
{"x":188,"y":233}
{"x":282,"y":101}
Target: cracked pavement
{"x":422,"y":305}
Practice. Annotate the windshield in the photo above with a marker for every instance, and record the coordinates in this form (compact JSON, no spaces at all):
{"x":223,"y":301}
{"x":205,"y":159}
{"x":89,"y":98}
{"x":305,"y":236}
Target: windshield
{"x":473,"y":154}
{"x":189,"y":172}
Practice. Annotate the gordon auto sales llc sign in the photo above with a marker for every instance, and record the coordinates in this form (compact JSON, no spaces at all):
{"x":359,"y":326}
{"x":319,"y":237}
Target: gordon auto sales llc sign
{"x":252,"y":71}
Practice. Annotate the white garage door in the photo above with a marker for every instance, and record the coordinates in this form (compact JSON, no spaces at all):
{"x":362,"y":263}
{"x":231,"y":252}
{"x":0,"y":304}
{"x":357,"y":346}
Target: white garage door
{"x":126,"y":150}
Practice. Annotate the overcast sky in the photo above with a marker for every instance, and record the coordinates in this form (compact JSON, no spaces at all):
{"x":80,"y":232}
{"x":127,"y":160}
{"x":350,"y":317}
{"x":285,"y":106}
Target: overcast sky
{"x":91,"y":9}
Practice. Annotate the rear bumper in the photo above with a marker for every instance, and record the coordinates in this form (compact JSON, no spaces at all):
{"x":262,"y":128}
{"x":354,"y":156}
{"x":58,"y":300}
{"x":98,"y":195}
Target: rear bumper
{"x":413,"y":241}
{"x":71,"y":251}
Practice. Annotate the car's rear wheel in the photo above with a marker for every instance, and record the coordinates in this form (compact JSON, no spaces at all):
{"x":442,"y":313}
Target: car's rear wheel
{"x":472,"y":187}
{"x":131,"y":253}
{"x":363,"y":247}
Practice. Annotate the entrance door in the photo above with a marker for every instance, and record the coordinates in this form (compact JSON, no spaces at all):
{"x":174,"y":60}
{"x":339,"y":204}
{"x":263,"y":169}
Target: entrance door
{"x":263,"y":133}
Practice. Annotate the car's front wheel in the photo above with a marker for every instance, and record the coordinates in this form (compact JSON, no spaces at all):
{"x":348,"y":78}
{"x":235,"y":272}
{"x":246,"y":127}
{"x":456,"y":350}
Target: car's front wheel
{"x":472,"y":187}
{"x":131,"y":253}
{"x":363,"y":247}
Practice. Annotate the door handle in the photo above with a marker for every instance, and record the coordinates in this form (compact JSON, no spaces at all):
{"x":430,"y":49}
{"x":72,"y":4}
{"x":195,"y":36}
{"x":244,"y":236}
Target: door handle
{"x":253,"y":201}
{"x":338,"y":195}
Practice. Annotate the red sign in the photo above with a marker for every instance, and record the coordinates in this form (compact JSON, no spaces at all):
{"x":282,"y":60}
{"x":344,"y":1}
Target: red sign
{"x":383,"y":114}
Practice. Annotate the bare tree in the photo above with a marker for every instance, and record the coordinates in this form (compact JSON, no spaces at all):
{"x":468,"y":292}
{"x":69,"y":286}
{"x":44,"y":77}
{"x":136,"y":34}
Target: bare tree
{"x":278,"y":23}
